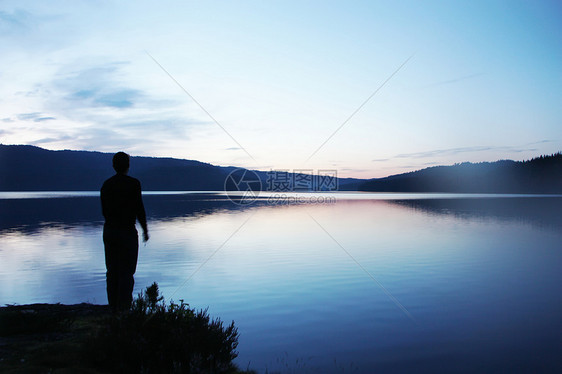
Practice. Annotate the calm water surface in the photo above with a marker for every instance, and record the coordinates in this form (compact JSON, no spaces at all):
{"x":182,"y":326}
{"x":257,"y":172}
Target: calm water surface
{"x":368,"y":283}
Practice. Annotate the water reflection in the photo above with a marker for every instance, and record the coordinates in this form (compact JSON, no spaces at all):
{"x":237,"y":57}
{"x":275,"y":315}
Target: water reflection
{"x":540,"y":211}
{"x":480,"y":276}
{"x":32,"y":214}
{"x":62,"y":210}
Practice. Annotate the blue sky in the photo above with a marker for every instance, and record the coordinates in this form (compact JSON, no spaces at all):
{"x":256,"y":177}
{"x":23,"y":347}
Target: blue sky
{"x":484,"y":81}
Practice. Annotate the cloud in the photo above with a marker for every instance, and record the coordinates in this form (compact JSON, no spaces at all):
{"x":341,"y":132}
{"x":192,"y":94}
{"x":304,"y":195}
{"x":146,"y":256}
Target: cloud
{"x":30,"y":93}
{"x":454,"y":80}
{"x":51,"y":140}
{"x":102,"y":106}
{"x":37,"y":32}
{"x":28,"y":116}
{"x":15,"y":22}
{"x":118,"y":98}
{"x":42,"y":119}
{"x":354,"y":170}
{"x":98,"y":87}
{"x":104,"y":139}
{"x":445,"y":152}
{"x":455,"y":151}
{"x":233,"y":149}
{"x":406,"y":167}
{"x":34,"y":116}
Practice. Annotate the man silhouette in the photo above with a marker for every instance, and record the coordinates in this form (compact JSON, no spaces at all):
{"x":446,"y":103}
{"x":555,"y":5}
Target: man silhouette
{"x":121,"y":202}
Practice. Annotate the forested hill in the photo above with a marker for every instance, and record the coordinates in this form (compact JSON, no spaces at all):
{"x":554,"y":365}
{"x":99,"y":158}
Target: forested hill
{"x":539,"y":175}
{"x":30,"y":168}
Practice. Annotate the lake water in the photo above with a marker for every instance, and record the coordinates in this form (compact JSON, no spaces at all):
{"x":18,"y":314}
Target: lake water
{"x":353,"y":283}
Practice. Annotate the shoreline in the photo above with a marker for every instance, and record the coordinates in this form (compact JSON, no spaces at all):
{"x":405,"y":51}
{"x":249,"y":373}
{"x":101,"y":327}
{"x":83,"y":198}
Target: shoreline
{"x":56,"y":338}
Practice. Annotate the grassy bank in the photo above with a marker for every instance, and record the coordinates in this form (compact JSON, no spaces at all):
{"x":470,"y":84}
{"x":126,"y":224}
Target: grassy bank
{"x":152,"y":337}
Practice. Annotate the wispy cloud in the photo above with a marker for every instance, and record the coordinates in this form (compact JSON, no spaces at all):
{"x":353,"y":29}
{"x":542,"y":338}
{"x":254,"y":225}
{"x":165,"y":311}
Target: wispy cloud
{"x":105,"y":140}
{"x":357,"y":170}
{"x":16,"y":21}
{"x":454,"y":80}
{"x":118,"y":98}
{"x":28,"y":116}
{"x":447,"y":152}
{"x":42,"y":119}
{"x":34,"y":116}
{"x":459,"y":150}
{"x":51,"y":140}
{"x":100,"y":106}
{"x":98,"y":87}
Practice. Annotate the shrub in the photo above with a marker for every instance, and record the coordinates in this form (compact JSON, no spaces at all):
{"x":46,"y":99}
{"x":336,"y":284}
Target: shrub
{"x":157,"y":338}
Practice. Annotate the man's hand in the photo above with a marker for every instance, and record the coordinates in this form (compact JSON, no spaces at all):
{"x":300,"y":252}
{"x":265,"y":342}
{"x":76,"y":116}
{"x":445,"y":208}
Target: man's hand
{"x":145,"y":236}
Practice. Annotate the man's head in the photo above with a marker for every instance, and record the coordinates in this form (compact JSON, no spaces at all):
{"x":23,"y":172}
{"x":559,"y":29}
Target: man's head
{"x":121,"y":162}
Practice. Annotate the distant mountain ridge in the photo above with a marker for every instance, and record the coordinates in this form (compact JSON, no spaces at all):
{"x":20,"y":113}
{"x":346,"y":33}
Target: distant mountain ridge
{"x":541,"y":175}
{"x":30,"y":168}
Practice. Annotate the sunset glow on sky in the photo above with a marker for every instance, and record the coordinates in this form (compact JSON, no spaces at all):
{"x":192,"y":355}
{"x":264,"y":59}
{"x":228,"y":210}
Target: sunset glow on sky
{"x":280,"y":78}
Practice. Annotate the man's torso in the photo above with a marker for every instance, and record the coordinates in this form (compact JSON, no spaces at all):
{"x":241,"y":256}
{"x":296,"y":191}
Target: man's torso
{"x":120,"y":197}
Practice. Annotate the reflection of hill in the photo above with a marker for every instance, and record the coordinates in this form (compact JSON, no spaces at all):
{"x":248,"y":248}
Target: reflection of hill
{"x":32,"y":214}
{"x":541,"y":211}
{"x":29,"y":215}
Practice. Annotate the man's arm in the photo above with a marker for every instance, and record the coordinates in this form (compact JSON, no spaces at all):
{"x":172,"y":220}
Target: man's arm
{"x":103,"y":201}
{"x":141,"y":214}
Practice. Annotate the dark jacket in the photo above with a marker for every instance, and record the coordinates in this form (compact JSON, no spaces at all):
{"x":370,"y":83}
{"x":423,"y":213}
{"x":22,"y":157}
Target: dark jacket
{"x":121,"y":202}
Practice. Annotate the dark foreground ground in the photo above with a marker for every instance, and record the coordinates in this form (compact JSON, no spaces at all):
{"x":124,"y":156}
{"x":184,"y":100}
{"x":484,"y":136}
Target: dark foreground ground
{"x":40,"y":338}
{"x":55,"y":338}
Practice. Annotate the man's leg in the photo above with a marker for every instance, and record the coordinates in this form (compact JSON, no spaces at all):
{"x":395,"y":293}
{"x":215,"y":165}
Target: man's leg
{"x":111,"y":244}
{"x":127,"y":267}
